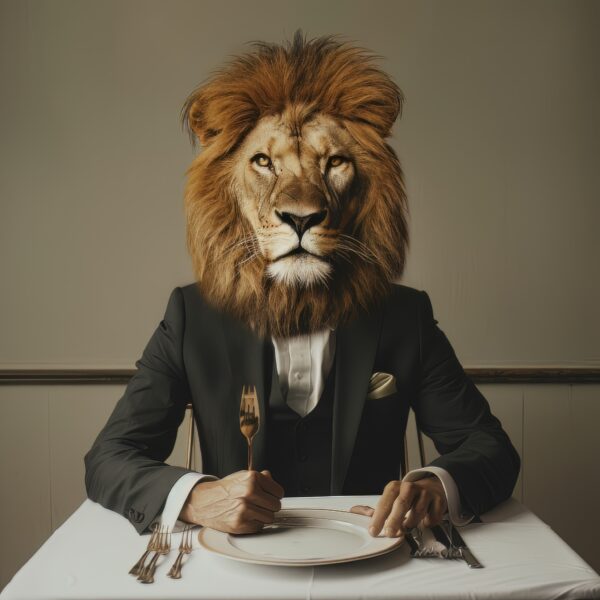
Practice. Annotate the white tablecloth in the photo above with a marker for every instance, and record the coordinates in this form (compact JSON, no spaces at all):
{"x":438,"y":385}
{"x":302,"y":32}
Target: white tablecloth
{"x":89,"y":555}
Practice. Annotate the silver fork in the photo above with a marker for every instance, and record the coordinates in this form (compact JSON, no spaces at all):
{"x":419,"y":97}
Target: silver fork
{"x":249,"y":418}
{"x":185,"y":547}
{"x":164,"y":546}
{"x":152,"y":546}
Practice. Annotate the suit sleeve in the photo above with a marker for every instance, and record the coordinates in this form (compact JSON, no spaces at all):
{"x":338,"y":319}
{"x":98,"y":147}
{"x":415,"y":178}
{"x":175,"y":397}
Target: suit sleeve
{"x":449,"y":409}
{"x":125,"y":469}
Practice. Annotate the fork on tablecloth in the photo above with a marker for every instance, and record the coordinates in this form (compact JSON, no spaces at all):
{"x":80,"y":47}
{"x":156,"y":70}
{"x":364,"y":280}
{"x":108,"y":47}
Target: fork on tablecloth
{"x":146,"y":574}
{"x":185,"y":547}
{"x":152,"y":546}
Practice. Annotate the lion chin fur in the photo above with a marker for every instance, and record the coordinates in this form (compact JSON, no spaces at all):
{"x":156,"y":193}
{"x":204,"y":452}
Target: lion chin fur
{"x":319,"y":76}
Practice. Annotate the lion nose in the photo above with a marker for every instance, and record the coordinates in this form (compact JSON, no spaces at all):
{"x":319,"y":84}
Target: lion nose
{"x":302,"y":222}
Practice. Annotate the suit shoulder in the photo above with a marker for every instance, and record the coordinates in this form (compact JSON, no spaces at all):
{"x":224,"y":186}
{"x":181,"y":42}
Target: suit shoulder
{"x":405,"y":293}
{"x":409,"y":302}
{"x":195,"y":301}
{"x":190,"y":288}
{"x":191,"y":294}
{"x":402,"y":302}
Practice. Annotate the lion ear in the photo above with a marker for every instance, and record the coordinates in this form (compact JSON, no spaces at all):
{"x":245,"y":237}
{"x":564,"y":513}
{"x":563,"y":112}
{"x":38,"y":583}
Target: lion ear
{"x":375,"y":99}
{"x":394,"y":111}
{"x":381,"y":106}
{"x":194,"y":116}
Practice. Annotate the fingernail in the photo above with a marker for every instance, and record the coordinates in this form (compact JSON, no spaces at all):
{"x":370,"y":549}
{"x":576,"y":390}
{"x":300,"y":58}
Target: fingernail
{"x":372,"y":531}
{"x":388,"y":531}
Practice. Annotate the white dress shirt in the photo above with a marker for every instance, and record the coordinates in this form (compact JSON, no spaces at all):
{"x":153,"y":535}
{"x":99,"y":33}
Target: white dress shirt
{"x":303,"y":363}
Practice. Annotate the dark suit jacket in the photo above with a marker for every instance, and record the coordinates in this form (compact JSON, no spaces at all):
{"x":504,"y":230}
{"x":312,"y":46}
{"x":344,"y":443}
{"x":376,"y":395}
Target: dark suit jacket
{"x":198,"y":354}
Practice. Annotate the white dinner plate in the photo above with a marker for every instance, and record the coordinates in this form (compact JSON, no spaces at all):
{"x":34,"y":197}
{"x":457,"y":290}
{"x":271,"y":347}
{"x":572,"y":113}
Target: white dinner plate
{"x":302,"y":537}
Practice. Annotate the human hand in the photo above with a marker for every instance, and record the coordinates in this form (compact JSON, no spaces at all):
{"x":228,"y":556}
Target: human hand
{"x":242,"y":502}
{"x":405,"y":504}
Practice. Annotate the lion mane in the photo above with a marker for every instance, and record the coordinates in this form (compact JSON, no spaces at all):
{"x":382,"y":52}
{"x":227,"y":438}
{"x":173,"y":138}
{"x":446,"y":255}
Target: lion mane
{"x":323,"y":75}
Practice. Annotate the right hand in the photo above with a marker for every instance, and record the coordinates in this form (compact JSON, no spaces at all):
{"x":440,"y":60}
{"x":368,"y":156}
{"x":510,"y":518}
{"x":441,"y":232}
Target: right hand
{"x":242,"y":502}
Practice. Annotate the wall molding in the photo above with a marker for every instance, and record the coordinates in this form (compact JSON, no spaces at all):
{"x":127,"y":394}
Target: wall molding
{"x":477,"y":374}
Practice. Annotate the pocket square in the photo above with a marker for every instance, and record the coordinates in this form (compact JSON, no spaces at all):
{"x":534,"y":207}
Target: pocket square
{"x":381,"y":385}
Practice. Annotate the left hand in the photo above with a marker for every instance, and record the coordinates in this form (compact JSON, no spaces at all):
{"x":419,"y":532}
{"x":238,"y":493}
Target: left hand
{"x":404,"y":504}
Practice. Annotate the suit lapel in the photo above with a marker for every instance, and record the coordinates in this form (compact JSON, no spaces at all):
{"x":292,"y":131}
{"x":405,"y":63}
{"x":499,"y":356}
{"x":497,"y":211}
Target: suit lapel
{"x":356,"y":346}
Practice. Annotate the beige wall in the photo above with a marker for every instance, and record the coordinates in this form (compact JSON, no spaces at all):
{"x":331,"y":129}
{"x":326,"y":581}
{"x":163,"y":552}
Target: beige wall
{"x":499,"y":142}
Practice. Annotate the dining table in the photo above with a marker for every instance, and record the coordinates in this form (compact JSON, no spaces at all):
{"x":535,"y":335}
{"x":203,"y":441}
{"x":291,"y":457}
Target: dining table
{"x":88,"y":558}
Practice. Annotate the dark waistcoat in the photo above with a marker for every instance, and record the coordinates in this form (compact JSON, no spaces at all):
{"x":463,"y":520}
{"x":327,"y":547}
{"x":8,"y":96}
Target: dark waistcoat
{"x":299,"y":448}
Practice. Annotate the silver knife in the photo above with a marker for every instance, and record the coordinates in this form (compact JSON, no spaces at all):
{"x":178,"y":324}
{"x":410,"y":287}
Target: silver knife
{"x":456,"y":540}
{"x":442,"y":538}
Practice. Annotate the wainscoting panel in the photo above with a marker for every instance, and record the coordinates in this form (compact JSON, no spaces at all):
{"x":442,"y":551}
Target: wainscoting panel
{"x":77,"y":413}
{"x":561,"y":471}
{"x":25,"y":501}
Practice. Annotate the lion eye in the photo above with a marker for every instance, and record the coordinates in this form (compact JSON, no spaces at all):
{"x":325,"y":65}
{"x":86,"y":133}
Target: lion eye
{"x":336,"y":161}
{"x":262,"y":160}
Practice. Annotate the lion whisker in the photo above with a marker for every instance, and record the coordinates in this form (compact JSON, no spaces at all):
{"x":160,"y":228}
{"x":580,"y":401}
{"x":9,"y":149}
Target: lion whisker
{"x":229,"y":249}
{"x":358,"y":243}
{"x":346,"y":252}
{"x":251,"y":256}
{"x":366,"y":255}
{"x":344,"y":245}
{"x":233,"y":245}
{"x":345,"y":255}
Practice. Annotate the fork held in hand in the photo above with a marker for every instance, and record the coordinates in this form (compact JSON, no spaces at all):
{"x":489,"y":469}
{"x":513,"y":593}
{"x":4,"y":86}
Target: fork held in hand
{"x":249,"y":418}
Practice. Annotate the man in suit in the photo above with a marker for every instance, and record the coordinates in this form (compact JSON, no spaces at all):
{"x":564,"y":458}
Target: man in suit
{"x":297,"y":229}
{"x":200,"y":355}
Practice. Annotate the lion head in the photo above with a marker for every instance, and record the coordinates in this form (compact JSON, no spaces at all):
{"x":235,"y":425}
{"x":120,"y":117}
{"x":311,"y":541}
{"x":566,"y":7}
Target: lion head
{"x":296,"y":207}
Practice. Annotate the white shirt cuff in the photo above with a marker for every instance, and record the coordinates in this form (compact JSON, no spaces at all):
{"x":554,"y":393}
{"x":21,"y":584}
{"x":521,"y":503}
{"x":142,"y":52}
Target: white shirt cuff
{"x":176,"y":499}
{"x":455,"y":512}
